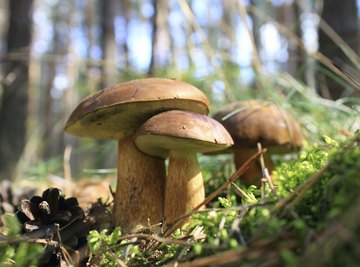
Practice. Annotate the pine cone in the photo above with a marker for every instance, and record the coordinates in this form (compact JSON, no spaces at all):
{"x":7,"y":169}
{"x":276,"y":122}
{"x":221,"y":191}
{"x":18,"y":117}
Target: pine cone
{"x":53,"y":217}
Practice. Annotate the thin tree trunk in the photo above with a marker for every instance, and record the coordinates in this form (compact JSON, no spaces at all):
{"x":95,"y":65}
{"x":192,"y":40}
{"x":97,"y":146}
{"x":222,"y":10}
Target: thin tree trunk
{"x":228,"y":25}
{"x":4,"y":25}
{"x":14,"y":101}
{"x":126,"y":14}
{"x":154,"y":37}
{"x":160,"y":36}
{"x":257,"y":21}
{"x":107,"y":17}
{"x":91,"y":80}
{"x":51,"y":117}
{"x":289,"y":16}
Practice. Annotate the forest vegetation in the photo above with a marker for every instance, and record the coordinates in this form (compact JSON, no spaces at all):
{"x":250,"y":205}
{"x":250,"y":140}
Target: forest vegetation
{"x":301,"y":55}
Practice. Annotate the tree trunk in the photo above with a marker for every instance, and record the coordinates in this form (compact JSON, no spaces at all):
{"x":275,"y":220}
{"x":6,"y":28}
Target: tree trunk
{"x":154,"y":37}
{"x":4,"y":25}
{"x":342,"y":18}
{"x":125,"y":13}
{"x":108,"y":67}
{"x":257,"y":22}
{"x":14,"y":100}
{"x":91,"y":78}
{"x":50,"y":116}
{"x":289,"y":15}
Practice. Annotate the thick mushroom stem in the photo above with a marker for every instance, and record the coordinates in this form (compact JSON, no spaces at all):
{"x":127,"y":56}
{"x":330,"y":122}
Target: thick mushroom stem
{"x":184,"y":188}
{"x":139,"y":195}
{"x":254,"y":174}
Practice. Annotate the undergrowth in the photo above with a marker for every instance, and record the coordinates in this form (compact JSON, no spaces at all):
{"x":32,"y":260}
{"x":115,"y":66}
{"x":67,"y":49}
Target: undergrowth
{"x":310,"y":219}
{"x":316,"y":199}
{"x":15,"y":251}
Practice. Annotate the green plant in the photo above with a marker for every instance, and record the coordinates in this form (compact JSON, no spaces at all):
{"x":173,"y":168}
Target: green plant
{"x":14,"y":250}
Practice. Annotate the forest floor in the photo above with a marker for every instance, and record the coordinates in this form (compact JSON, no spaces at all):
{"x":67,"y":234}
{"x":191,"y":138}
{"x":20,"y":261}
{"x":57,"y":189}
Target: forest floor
{"x":309,"y":218}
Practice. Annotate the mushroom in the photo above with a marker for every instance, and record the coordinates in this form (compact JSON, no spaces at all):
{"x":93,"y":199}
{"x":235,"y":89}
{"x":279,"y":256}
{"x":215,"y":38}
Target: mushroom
{"x":258,"y":121}
{"x":115,"y":113}
{"x":179,"y":135}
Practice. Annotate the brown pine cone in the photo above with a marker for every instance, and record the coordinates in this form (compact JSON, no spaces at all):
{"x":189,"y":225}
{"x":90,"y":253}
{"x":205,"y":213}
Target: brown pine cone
{"x":53,"y":217}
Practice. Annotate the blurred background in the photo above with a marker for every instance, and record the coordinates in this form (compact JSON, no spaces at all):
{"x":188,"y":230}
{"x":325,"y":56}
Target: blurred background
{"x":301,"y":54}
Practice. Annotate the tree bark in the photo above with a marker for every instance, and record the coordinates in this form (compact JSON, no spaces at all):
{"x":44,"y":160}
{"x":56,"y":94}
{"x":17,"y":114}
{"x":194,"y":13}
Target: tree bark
{"x":14,"y":100}
{"x":342,"y":18}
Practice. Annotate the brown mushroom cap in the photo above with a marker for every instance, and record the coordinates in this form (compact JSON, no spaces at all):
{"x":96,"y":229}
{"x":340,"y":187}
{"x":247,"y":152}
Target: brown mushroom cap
{"x":182,"y":131}
{"x":117,"y":111}
{"x":253,"y":121}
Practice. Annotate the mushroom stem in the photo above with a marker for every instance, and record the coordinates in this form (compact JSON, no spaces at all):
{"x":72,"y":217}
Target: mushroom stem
{"x":254,"y":173}
{"x":139,"y":195}
{"x":184,"y":187}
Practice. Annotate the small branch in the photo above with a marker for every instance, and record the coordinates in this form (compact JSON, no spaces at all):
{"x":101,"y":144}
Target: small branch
{"x":266,"y":174}
{"x":18,"y":240}
{"x":297,"y":194}
{"x":314,"y":179}
{"x":67,"y":171}
{"x":261,"y":247}
{"x":242,"y":193}
{"x":160,"y":239}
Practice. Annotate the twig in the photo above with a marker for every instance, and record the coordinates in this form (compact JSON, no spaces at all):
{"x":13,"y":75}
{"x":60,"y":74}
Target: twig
{"x":236,"y":229}
{"x":242,"y":193}
{"x":266,"y":174}
{"x":237,"y":208}
{"x":261,"y":247}
{"x":335,"y":37}
{"x":126,"y":251}
{"x":297,"y":194}
{"x":135,"y":240}
{"x":65,"y":254}
{"x":221,"y":226}
{"x":314,"y":179}
{"x":19,"y":240}
{"x":67,"y":171}
{"x":160,"y":239}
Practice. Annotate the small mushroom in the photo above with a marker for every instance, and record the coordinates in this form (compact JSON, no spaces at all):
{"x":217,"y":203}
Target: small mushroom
{"x":179,"y":135}
{"x":258,"y":121}
{"x":115,"y":113}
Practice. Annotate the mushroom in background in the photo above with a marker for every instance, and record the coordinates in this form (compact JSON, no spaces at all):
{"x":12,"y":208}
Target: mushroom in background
{"x":179,"y":135}
{"x":258,"y":121}
{"x":115,"y":113}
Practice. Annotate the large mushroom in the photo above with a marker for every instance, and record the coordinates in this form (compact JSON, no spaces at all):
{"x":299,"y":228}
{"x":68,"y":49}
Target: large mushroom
{"x":115,"y":113}
{"x":258,"y":121}
{"x":179,"y":135}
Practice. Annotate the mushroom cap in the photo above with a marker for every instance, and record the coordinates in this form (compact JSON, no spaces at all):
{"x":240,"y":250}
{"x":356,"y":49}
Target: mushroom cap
{"x":115,"y":112}
{"x":254,"y":121}
{"x":181,"y":131}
